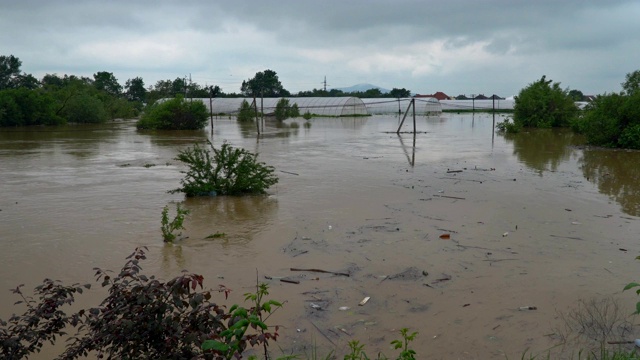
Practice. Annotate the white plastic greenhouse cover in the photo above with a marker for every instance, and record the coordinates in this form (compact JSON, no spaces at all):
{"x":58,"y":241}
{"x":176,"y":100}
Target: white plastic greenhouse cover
{"x":328,"y":106}
{"x":424,"y":106}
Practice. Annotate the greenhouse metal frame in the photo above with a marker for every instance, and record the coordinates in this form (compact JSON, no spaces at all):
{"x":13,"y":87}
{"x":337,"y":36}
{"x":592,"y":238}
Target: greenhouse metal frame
{"x":383,"y":106}
{"x":321,"y":106}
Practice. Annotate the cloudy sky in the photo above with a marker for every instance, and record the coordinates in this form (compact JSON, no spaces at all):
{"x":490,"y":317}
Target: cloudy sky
{"x":455,"y":46}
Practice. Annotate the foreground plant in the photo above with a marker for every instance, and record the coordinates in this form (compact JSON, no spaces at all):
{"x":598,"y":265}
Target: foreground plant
{"x":141,"y":318}
{"x":226,"y":171}
{"x":356,"y":349}
{"x":169,"y":227}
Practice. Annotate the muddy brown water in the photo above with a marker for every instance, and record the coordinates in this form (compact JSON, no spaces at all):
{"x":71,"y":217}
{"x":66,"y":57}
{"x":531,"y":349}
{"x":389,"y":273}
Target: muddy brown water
{"x":533,"y":220}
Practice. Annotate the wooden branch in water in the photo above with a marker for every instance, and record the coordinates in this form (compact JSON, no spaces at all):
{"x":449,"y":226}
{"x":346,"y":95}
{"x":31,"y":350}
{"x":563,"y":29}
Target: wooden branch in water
{"x":290,"y":281}
{"x":288,"y":172}
{"x":321,"y":271}
{"x":566,"y":237}
{"x":450,"y":197}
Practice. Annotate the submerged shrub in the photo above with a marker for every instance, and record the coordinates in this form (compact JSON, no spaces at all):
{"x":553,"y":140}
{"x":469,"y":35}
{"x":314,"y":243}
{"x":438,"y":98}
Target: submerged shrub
{"x":246,"y":112}
{"x":543,"y":104}
{"x":508,"y":127}
{"x":285,"y":110}
{"x":174,"y":114}
{"x":612,"y":120}
{"x":228,"y":171}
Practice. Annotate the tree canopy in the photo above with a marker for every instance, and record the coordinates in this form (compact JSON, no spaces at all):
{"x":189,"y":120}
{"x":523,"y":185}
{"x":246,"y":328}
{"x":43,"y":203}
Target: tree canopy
{"x":107,"y":82}
{"x":264,"y":83}
{"x":134,"y":89}
{"x":400,"y":93}
{"x":631,"y":85}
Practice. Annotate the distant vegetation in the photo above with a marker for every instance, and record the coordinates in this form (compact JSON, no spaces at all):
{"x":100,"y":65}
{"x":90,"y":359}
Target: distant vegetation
{"x":54,"y":100}
{"x":610,"y":120}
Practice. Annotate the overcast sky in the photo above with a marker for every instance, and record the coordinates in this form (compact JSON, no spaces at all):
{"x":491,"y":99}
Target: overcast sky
{"x":454,"y":46}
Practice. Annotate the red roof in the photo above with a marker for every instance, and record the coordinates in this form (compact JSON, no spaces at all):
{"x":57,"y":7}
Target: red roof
{"x":439,"y":95}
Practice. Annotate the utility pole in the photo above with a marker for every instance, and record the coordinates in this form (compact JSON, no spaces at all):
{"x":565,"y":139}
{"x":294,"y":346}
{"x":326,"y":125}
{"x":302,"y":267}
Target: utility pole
{"x":325,"y":83}
{"x":473,"y":98}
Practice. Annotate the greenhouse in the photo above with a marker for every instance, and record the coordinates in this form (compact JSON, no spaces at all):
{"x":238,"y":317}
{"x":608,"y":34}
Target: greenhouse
{"x":424,"y":106}
{"x":323,"y":106}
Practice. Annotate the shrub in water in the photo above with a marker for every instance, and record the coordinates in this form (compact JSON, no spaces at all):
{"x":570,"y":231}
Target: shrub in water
{"x":174,"y":114}
{"x":246,"y":113}
{"x":228,"y":171}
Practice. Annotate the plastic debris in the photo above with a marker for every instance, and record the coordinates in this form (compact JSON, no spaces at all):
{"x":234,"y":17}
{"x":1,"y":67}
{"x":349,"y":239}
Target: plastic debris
{"x":525,"y":308}
{"x":344,"y":308}
{"x":364,"y":301}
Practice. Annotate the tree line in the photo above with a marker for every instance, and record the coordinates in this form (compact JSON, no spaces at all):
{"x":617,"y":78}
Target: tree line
{"x":54,"y":99}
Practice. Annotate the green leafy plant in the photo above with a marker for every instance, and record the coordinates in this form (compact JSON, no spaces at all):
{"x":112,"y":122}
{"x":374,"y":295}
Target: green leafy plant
{"x":228,"y":171}
{"x":169,"y":227}
{"x":356,"y":349}
{"x":233,"y":340}
{"x":406,"y":353}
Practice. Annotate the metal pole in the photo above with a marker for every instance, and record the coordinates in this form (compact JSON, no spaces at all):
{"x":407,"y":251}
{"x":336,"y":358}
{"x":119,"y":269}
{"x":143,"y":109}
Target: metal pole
{"x":211,"y":109}
{"x":413,"y":103}
{"x":255,"y":108}
{"x":404,"y":117}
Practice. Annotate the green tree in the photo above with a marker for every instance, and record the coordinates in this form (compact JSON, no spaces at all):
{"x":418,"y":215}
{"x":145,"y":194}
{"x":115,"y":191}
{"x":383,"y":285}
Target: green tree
{"x":399,"y":93}
{"x":175,"y":114}
{"x":25,"y":107}
{"x":84,"y":108}
{"x":134,"y":89}
{"x":9,"y":71}
{"x":543,"y":104}
{"x":264,"y":83}
{"x":631,"y":85}
{"x":576,"y":95}
{"x":107,"y":82}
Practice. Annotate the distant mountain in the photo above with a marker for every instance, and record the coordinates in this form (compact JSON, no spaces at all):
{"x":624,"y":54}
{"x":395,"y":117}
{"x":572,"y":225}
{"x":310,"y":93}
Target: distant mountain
{"x":363,"y":88}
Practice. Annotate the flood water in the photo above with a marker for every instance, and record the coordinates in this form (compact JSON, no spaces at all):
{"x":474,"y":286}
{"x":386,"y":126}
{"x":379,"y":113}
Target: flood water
{"x":534,"y":219}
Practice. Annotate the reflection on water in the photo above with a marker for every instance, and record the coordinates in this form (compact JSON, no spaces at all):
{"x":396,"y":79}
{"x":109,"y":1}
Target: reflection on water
{"x":616,"y":174}
{"x":544,"y":149}
{"x":239,"y":218}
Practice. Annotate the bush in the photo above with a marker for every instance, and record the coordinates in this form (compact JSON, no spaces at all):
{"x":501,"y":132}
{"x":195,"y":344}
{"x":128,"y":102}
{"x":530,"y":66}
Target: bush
{"x":175,"y":114}
{"x":25,"y":107}
{"x":612,"y":120}
{"x":284,"y":110}
{"x":230,"y":171}
{"x":545,"y":105}
{"x":246,"y":113}
{"x":141,"y":318}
